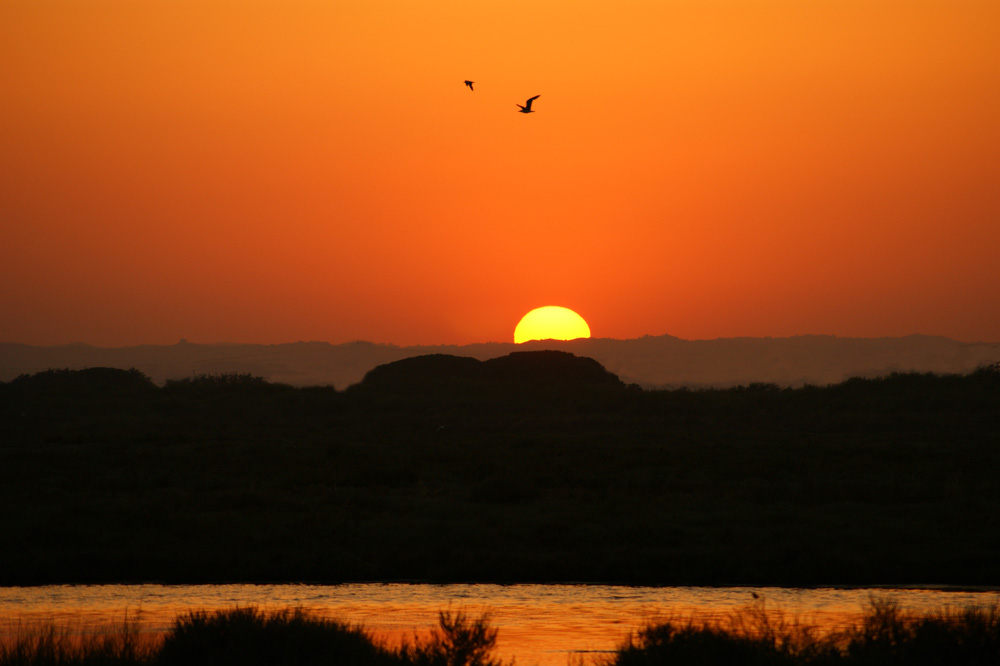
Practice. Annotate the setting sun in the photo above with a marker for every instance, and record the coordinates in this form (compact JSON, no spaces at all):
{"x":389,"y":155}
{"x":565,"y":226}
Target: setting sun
{"x":551,"y":323}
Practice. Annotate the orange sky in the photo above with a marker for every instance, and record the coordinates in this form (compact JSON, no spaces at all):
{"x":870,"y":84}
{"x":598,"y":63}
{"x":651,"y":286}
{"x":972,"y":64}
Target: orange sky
{"x":282,"y":170}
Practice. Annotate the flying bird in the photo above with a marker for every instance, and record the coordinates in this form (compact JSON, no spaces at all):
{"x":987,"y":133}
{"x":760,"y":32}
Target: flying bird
{"x":469,"y":83}
{"x":527,"y":105}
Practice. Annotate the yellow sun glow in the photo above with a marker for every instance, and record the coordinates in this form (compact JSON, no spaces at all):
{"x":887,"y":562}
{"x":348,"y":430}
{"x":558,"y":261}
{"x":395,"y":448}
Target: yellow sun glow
{"x":551,"y":323}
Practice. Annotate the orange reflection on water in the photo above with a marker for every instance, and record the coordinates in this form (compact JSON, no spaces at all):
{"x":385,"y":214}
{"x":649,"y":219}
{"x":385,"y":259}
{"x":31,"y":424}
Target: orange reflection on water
{"x":547,"y":625}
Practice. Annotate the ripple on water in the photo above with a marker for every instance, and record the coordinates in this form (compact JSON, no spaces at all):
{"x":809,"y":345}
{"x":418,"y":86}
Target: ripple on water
{"x":538,"y":624}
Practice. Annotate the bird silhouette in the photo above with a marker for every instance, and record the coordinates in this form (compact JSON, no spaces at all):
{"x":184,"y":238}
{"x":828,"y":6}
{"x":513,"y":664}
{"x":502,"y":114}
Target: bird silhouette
{"x":527,"y":105}
{"x":469,"y":83}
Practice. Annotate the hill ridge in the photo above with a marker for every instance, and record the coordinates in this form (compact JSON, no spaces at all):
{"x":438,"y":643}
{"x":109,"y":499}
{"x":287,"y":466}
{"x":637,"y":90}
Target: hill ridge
{"x":650,"y":361}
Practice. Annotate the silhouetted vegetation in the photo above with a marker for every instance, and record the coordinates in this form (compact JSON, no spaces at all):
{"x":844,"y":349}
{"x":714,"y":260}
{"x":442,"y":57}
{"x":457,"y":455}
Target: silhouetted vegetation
{"x":536,"y":467}
{"x":884,"y":636}
{"x":457,"y":641}
{"x":250,"y":637}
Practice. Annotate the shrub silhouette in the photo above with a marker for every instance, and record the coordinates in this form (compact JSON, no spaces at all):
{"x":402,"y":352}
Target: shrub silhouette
{"x":458,"y":641}
{"x":673,"y":643}
{"x":885,"y":636}
{"x":222,"y":381}
{"x":250,"y":637}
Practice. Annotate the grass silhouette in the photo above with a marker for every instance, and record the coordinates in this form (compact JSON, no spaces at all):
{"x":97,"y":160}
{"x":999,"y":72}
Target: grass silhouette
{"x":50,"y":644}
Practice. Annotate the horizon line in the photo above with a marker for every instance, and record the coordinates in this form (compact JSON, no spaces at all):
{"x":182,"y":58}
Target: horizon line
{"x":185,"y":341}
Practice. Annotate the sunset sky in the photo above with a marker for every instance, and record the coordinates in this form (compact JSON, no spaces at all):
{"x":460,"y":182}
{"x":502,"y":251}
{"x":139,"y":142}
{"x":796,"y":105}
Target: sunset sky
{"x":279,"y":170}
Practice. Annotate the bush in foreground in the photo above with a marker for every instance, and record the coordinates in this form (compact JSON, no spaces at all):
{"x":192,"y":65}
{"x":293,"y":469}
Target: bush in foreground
{"x":248,"y":636}
{"x":251,"y":637}
{"x":885,"y":636}
{"x":457,"y":641}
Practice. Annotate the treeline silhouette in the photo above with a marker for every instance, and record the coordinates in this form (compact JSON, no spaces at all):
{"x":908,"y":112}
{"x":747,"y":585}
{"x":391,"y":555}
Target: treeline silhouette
{"x":540,"y":466}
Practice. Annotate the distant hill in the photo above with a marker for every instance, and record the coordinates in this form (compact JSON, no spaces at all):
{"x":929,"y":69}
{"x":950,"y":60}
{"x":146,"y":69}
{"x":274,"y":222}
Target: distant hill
{"x":540,"y":368}
{"x":651,"y":361}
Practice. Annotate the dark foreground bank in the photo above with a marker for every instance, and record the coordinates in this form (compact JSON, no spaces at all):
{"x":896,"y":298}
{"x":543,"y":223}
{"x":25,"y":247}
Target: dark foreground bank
{"x":884,"y":636}
{"x":540,"y":468}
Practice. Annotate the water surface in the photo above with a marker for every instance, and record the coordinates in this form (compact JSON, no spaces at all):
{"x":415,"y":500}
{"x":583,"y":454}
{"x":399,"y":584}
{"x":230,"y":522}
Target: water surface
{"x":548,"y":625}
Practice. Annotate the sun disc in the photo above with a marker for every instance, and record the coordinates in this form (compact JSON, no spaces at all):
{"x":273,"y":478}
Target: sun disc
{"x":551,"y":322}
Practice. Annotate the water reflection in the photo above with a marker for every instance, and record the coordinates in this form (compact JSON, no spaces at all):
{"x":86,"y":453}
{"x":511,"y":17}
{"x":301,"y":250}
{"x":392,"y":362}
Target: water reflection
{"x":548,"y":625}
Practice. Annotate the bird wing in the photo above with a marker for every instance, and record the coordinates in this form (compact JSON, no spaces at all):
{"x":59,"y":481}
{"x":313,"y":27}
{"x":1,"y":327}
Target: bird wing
{"x":530,"y":100}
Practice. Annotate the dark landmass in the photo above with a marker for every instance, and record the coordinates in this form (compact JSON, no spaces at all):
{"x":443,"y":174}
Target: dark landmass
{"x":516,"y":372}
{"x":531,"y":467}
{"x":652,"y":361}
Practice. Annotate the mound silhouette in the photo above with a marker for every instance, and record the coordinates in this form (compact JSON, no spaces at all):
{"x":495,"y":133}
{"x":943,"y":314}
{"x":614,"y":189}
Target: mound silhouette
{"x":518,"y":370}
{"x":548,"y":367}
{"x":431,"y":370}
{"x":84,"y":382}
